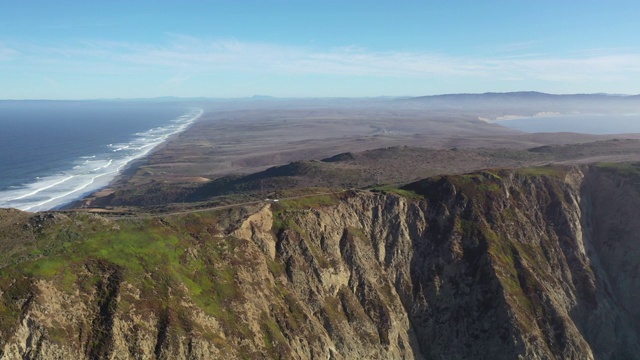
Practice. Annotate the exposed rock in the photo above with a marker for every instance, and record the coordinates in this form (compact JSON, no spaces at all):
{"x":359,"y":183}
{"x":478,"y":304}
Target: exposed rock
{"x":531,"y":264}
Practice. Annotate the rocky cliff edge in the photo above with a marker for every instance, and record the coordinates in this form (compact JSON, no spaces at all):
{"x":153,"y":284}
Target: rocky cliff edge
{"x":536,"y":263}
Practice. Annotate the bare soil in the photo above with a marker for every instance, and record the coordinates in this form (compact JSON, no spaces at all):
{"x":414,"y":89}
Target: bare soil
{"x":219,"y":153}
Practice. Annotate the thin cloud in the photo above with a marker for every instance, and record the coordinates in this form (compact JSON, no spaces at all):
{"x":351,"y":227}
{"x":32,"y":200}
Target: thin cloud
{"x":519,"y":47}
{"x":7,"y":53}
{"x":182,"y":58}
{"x":596,"y":67}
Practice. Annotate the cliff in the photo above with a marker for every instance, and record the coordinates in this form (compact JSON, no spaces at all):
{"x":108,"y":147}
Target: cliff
{"x":536,"y":263}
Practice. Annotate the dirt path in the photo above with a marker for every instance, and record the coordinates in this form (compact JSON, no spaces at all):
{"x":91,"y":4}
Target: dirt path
{"x":219,"y":207}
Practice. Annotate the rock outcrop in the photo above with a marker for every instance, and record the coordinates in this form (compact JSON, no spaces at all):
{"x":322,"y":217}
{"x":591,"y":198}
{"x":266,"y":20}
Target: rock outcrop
{"x":535,"y":264}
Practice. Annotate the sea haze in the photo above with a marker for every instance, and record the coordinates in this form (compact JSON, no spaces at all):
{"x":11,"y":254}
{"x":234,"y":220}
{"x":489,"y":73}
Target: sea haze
{"x":578,"y":123}
{"x":54,"y":152}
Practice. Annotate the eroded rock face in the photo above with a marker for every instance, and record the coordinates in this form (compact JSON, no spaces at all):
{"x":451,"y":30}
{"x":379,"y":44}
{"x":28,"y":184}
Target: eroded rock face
{"x":535,"y":264}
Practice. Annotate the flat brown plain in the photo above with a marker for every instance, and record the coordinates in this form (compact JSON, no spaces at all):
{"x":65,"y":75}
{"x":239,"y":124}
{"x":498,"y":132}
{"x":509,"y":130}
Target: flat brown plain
{"x":414,"y":143}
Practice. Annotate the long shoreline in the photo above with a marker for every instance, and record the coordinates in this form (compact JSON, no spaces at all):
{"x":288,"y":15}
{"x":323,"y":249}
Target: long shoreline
{"x":128,"y":168}
{"x":94,"y":172}
{"x":517,"y":117}
{"x":132,"y":166}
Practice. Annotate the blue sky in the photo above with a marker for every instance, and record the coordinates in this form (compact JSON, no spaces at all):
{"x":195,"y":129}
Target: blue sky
{"x":130,"y":49}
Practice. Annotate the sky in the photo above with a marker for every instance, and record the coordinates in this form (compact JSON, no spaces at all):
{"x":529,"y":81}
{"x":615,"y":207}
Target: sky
{"x":228,"y":49}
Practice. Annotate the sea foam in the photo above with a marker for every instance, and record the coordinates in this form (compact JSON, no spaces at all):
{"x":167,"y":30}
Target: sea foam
{"x":92,"y":171}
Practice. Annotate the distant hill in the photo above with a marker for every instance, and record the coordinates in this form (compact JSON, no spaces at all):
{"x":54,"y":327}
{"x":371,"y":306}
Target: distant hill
{"x":392,"y":165}
{"x":529,"y":101}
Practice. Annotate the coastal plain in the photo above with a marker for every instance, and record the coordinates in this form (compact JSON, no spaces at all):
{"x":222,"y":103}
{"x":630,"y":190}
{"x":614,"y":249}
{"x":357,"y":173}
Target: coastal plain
{"x":245,"y":151}
{"x":314,"y":229}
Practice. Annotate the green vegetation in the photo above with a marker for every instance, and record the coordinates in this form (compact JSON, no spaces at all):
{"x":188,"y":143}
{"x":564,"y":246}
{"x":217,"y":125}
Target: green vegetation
{"x":478,"y":186}
{"x":314,"y":201}
{"x":276,"y":268}
{"x":405,"y":193}
{"x":357,"y":232}
{"x":15,"y":290}
{"x":153,"y":257}
{"x":283,"y":222}
{"x":272,"y":335}
{"x":625,"y":167}
{"x":280,"y":209}
{"x":465,"y":227}
{"x":176,"y":260}
{"x":629,"y":171}
{"x":515,"y":278}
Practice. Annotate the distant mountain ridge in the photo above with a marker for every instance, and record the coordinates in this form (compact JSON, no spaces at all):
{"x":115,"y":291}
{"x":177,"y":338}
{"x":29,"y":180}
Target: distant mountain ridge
{"x":529,"y":103}
{"x":525,"y":95}
{"x":452,"y":96}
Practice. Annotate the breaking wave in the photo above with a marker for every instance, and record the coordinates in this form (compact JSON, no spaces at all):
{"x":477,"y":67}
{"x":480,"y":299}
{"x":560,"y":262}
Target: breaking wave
{"x":92,"y":171}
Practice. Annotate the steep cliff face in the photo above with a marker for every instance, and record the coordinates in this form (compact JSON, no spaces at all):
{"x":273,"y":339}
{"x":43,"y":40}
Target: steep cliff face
{"x":538,"y":263}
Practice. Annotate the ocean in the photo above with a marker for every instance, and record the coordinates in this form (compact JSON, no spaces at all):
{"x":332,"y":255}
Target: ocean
{"x":55,"y":152}
{"x":598,"y":124}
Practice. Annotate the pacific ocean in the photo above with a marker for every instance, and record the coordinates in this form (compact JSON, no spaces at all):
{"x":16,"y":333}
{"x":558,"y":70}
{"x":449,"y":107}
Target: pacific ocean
{"x":54,"y":152}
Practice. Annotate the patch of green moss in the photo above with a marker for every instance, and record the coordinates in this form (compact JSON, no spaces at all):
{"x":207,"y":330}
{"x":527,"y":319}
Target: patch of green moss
{"x":45,"y":267}
{"x":276,"y":268}
{"x":492,"y":175}
{"x":296,"y":315}
{"x":516,"y":279}
{"x":211,"y":287}
{"x":405,"y":193}
{"x":357,"y":232}
{"x":464,"y":227}
{"x":489,"y":188}
{"x":16,"y":290}
{"x":282,"y":221}
{"x":314,"y":202}
{"x":57,"y":335}
{"x":477,"y":186}
{"x":630,"y":167}
{"x":279,"y":222}
{"x":332,"y":310}
{"x":630,"y":171}
{"x":318,"y":254}
{"x":271,"y":333}
{"x":509,"y":214}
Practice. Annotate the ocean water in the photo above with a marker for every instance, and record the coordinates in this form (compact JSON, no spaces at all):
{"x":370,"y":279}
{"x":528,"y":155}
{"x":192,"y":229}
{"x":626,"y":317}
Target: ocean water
{"x":55,"y":152}
{"x":580,"y":123}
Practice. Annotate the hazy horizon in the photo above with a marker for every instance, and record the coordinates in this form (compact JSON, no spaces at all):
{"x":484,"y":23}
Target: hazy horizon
{"x":293,"y":49}
{"x":267,"y":97}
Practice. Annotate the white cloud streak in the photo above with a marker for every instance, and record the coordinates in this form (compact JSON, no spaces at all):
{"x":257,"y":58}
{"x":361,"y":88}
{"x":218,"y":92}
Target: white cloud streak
{"x":7,"y":53}
{"x":182,"y":58}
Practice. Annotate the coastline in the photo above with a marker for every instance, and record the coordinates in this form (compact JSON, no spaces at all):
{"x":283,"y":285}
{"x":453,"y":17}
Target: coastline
{"x":51,"y":193}
{"x":585,"y":123}
{"x":517,"y":117}
{"x":129,"y":168}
